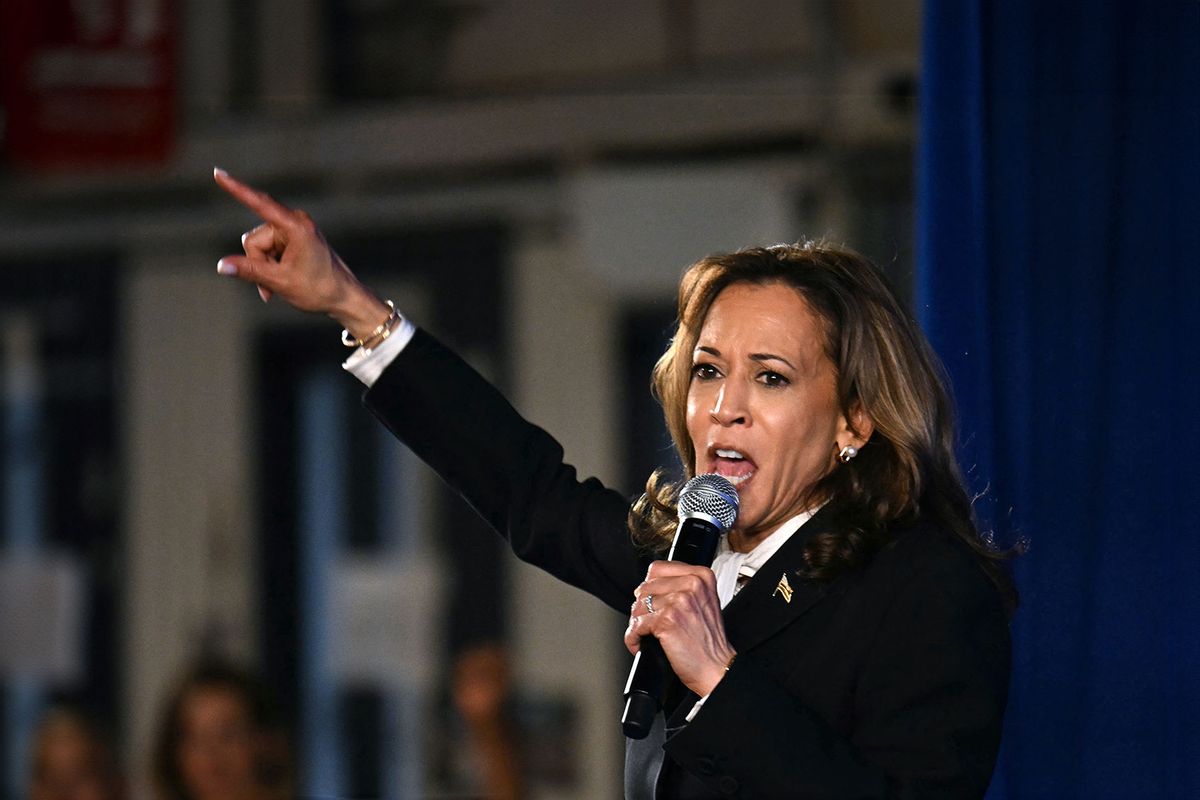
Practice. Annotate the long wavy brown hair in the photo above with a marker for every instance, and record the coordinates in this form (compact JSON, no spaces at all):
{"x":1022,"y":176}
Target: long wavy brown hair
{"x":885,"y":368}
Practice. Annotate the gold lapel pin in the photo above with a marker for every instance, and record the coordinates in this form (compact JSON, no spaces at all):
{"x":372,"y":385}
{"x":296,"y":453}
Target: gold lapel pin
{"x":784,"y":588}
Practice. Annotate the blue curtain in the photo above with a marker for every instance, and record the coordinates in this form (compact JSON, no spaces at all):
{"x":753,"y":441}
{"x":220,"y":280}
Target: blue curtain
{"x":1059,"y":279}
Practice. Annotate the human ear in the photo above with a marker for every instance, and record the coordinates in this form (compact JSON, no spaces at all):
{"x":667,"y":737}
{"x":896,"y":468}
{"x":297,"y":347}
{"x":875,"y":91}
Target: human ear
{"x":858,"y":426}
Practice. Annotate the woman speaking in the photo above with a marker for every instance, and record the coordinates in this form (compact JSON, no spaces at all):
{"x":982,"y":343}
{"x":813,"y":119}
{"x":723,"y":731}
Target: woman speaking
{"x":851,"y":638}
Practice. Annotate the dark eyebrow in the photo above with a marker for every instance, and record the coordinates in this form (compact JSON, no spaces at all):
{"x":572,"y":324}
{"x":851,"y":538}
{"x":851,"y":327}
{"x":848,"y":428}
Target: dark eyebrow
{"x":712,"y":351}
{"x":770,"y":357}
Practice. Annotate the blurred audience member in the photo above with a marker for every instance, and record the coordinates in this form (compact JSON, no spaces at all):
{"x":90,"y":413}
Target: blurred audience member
{"x":481,"y":690}
{"x":71,"y":760}
{"x":221,"y":739}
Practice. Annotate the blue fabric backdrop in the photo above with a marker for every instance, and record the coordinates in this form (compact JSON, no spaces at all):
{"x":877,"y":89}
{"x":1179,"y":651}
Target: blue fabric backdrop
{"x":1059,"y":278}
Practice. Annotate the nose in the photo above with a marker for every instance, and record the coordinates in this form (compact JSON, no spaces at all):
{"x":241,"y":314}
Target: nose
{"x":729,"y":406}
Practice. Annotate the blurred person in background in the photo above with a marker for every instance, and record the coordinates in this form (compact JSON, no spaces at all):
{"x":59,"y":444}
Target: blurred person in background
{"x":72,"y":760}
{"x":851,"y":638}
{"x":482,"y":690}
{"x":220,"y":738}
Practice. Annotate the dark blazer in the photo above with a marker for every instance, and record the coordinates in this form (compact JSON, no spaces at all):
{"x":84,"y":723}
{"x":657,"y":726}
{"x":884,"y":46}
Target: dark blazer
{"x":890,"y":681}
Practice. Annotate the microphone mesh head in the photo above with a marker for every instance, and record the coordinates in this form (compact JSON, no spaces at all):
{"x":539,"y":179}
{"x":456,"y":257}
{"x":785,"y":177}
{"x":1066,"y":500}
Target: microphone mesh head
{"x":712,"y":496}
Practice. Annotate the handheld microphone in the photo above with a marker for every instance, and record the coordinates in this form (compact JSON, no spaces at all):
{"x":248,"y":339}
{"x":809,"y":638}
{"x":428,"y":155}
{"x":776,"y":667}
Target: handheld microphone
{"x":708,"y":506}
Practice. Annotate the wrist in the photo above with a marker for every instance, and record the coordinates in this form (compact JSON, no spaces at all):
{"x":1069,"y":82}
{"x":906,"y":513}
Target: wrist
{"x":360,"y":311}
{"x":715,"y":676}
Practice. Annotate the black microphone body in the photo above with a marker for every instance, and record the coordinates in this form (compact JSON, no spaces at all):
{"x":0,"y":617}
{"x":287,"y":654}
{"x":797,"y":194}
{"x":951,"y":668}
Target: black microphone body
{"x":708,"y":507}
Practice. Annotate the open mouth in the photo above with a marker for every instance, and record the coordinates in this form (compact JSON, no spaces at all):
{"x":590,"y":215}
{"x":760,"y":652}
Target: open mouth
{"x":733,"y":465}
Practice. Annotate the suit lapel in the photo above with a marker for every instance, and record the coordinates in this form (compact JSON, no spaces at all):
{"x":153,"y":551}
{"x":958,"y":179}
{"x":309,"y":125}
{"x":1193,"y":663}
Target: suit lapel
{"x":773,"y":599}
{"x":775,"y":595}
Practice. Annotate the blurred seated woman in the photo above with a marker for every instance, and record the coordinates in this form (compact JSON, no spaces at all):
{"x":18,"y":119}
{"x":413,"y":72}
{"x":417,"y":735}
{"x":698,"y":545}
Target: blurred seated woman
{"x":72,"y":760}
{"x":220,"y":739}
{"x":851,"y":638}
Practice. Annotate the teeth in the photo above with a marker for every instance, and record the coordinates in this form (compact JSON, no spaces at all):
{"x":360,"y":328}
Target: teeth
{"x":729,"y":454}
{"x":738,"y":480}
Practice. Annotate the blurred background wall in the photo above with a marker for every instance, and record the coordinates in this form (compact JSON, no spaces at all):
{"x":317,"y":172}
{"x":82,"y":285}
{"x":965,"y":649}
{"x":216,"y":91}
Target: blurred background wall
{"x":187,"y":474}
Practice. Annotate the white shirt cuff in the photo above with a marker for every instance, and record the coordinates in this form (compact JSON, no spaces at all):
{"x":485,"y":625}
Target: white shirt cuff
{"x":695,"y":709}
{"x":368,"y":365}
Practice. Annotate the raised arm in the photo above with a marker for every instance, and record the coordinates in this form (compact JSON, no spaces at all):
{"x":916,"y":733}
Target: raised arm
{"x":511,"y":471}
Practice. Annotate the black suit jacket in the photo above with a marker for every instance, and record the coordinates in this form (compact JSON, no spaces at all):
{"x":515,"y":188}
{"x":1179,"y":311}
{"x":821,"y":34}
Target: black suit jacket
{"x":890,"y":681}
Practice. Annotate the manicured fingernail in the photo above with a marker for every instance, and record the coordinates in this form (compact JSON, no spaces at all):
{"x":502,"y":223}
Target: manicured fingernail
{"x":226,"y":267}
{"x":219,"y":173}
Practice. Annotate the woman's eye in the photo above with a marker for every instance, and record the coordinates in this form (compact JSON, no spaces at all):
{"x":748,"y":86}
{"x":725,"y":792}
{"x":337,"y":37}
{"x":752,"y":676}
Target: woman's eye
{"x":704,"y":371}
{"x":773,"y":379}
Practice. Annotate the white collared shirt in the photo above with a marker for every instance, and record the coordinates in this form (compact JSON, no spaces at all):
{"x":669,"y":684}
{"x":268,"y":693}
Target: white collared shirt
{"x":729,"y":565}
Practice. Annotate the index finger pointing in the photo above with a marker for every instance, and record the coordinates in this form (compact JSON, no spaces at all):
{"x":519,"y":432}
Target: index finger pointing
{"x":261,"y":203}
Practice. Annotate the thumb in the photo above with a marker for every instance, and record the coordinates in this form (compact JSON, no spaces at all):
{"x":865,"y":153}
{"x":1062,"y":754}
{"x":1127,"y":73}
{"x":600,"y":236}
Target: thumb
{"x":242,"y":267}
{"x":247,"y":268}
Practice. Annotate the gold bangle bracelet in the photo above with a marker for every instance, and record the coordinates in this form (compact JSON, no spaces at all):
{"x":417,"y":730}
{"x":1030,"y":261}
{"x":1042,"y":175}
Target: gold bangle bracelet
{"x":383,"y":331}
{"x":379,"y":338}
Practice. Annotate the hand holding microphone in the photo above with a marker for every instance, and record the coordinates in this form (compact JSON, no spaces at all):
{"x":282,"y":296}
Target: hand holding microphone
{"x":676,"y":622}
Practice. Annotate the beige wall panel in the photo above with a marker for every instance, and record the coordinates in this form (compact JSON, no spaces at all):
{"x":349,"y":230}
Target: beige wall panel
{"x":566,"y":642}
{"x":188,"y":526}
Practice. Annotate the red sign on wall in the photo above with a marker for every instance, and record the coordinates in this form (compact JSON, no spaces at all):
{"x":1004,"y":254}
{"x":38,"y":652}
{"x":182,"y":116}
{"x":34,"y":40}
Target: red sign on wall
{"x":87,"y":82}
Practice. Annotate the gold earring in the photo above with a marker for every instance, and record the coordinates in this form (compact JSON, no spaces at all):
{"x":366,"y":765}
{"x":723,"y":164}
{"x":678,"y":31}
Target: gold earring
{"x":848,"y":452}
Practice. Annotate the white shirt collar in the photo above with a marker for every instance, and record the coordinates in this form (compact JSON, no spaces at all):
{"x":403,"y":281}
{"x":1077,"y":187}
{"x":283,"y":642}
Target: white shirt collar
{"x":728,"y":565}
